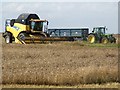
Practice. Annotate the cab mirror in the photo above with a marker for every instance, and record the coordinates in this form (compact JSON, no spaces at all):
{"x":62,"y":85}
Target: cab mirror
{"x":47,"y":22}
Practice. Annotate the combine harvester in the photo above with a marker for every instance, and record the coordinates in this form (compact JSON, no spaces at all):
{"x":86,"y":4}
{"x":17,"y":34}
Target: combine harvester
{"x":29,"y":28}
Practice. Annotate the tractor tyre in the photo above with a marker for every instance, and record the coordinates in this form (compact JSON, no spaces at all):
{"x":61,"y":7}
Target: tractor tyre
{"x":8,"y":38}
{"x":113,"y":40}
{"x":91,"y":38}
{"x":105,"y":40}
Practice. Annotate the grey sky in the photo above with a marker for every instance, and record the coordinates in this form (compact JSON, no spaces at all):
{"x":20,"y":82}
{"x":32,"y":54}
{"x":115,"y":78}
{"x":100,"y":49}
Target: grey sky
{"x":60,"y":0}
{"x":67,"y":14}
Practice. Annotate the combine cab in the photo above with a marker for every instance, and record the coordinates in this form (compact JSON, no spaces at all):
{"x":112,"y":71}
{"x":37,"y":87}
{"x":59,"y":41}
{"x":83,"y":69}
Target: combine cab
{"x":99,"y":35}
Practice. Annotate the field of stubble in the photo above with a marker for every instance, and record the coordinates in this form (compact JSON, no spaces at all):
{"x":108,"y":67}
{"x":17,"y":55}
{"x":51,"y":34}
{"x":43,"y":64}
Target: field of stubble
{"x":65,"y":63}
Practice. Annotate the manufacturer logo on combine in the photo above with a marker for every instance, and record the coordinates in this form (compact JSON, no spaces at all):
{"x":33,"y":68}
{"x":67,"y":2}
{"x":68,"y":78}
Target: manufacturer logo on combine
{"x":16,"y":28}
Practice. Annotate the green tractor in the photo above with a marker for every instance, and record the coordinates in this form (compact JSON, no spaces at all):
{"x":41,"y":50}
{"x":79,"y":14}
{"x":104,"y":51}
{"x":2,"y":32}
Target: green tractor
{"x":99,"y":35}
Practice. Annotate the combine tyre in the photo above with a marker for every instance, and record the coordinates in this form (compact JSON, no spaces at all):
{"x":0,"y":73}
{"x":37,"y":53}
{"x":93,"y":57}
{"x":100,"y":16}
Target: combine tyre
{"x":22,"y":36}
{"x":91,"y":38}
{"x":8,"y":38}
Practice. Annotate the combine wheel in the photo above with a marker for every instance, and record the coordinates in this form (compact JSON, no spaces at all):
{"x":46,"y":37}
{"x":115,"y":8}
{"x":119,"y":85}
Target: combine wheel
{"x":8,"y":38}
{"x":91,"y":38}
{"x":105,"y":40}
{"x":22,"y":36}
{"x":42,"y":36}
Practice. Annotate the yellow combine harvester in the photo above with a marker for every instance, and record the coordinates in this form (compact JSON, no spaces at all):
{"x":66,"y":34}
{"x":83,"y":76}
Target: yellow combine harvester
{"x":27,"y":28}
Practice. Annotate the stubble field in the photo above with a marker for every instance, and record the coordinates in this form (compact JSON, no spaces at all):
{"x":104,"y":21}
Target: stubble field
{"x":64,"y":63}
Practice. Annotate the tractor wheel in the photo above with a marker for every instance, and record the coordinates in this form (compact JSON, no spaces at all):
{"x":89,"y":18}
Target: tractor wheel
{"x":8,"y":38}
{"x":105,"y":40}
{"x":113,"y":40}
{"x":91,"y":38}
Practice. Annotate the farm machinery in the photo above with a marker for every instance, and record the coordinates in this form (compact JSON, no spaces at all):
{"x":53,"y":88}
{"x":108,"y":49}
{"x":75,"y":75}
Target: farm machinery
{"x":99,"y":35}
{"x":28,"y":28}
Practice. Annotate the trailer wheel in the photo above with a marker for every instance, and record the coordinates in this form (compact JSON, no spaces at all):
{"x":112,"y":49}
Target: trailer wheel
{"x":91,"y":38}
{"x":105,"y":40}
{"x":8,"y":38}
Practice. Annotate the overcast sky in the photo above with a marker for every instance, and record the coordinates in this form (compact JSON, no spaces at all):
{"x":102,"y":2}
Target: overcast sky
{"x":66,"y":14}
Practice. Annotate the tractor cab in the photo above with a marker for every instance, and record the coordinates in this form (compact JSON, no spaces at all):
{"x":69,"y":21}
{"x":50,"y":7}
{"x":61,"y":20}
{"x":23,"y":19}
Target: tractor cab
{"x":99,"y":30}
